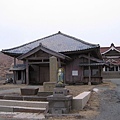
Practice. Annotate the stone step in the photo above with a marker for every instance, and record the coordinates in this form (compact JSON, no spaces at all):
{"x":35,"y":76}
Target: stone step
{"x":23,"y":98}
{"x":4,"y":108}
{"x":34,"y":104}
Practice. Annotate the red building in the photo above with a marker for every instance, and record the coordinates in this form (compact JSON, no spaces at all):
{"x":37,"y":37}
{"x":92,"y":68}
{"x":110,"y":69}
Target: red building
{"x":111,"y":55}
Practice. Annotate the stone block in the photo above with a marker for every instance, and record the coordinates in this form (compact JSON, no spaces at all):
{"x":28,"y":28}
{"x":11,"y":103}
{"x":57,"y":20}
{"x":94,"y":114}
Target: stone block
{"x":49,"y":86}
{"x":12,"y":97}
{"x":60,"y":102}
{"x":79,"y":102}
{"x":35,"y":104}
{"x":44,"y":93}
{"x":29,"y":110}
{"x":53,"y":69}
{"x":35,"y":98}
{"x":29,"y":91}
{"x":59,"y":105}
{"x":60,"y":92}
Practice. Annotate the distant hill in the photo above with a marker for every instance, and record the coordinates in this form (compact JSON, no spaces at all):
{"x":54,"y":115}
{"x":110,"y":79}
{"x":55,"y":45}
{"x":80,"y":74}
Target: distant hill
{"x":5,"y":63}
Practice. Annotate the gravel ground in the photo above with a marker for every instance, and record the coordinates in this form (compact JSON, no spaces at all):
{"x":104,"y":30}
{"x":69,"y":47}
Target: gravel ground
{"x":109,"y":103}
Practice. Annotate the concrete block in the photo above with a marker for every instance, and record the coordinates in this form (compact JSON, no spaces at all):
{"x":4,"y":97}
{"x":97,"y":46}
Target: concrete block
{"x":79,"y":102}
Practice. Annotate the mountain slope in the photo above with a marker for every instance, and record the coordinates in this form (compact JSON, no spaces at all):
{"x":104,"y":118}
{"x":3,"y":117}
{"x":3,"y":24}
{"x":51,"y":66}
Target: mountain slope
{"x":5,"y":64}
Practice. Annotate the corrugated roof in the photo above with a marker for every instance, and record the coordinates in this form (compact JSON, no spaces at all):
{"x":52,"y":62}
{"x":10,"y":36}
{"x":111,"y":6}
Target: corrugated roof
{"x":58,"y":42}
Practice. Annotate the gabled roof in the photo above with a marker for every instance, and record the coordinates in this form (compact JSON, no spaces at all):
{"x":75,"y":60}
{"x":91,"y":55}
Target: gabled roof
{"x":58,"y":42}
{"x":105,"y":50}
{"x":43,"y":48}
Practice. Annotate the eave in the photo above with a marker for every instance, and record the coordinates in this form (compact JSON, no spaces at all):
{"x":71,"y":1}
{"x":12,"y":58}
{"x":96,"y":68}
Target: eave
{"x":11,"y":54}
{"x":45,"y":49}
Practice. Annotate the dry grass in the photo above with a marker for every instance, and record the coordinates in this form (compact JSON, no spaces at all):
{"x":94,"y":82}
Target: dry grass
{"x":77,"y":89}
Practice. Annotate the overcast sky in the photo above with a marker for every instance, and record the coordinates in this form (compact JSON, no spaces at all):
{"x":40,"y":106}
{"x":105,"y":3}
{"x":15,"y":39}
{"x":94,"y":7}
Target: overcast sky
{"x":94,"y":21}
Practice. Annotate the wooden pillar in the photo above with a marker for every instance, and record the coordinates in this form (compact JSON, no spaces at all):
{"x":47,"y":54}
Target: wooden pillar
{"x":14,"y":80}
{"x":27,"y":72}
{"x":14,"y":72}
{"x":22,"y":76}
{"x":39,"y":74}
{"x":89,"y":82}
{"x":14,"y":61}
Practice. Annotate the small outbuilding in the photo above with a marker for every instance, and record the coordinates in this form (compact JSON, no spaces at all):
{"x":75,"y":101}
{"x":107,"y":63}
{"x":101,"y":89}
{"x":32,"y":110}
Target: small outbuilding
{"x":80,"y":60}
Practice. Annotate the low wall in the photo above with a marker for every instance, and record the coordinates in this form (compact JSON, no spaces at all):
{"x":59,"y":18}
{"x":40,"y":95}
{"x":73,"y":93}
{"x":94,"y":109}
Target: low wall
{"x":79,"y":102}
{"x":111,"y":74}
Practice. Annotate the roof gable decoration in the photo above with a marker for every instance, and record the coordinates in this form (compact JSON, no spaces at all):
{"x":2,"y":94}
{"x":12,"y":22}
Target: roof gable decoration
{"x":111,"y":60}
{"x":112,"y":47}
{"x":45,"y":49}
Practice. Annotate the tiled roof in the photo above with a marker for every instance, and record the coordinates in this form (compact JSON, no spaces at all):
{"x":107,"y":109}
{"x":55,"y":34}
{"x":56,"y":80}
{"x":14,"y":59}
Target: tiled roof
{"x":58,"y":42}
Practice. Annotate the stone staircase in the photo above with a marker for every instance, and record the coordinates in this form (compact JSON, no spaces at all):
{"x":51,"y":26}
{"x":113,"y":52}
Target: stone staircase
{"x":22,"y":106}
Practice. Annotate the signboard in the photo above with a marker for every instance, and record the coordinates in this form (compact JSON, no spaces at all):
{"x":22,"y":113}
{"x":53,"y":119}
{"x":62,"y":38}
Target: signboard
{"x":75,"y":73}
